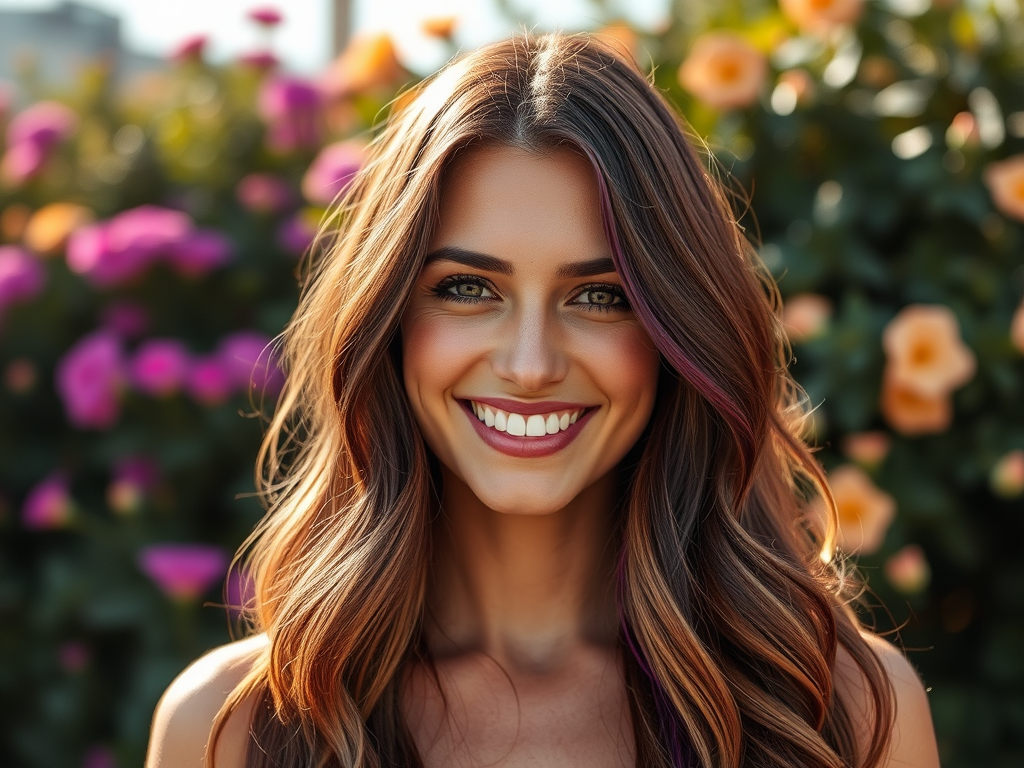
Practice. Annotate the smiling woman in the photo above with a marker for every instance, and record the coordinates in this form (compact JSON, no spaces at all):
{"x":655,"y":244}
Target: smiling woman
{"x":535,"y":492}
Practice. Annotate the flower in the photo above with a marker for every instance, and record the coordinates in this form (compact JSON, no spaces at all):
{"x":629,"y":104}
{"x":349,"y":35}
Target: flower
{"x":806,"y":315}
{"x":209,"y":381}
{"x":622,"y":38}
{"x":183,"y":571}
{"x":867,"y":448}
{"x":441,"y":27}
{"x":189,"y":49}
{"x":240,"y":590}
{"x":249,"y":359}
{"x":291,"y":108}
{"x":1017,"y":328}
{"x":1005,"y":182}
{"x":126,"y":319}
{"x":48,"y":229}
{"x":264,"y":193}
{"x":266,"y":15}
{"x":159,"y":367}
{"x":21,"y":162}
{"x":368,"y":63}
{"x":296,"y":233}
{"x":1007,"y":476}
{"x":911,"y":413}
{"x":99,"y":757}
{"x":89,"y":381}
{"x":908,"y":570}
{"x":864,"y":510}
{"x":31,"y":136}
{"x":963,"y":131}
{"x":332,"y":170}
{"x":724,"y":71}
{"x":134,"y":477}
{"x":21,"y":276}
{"x":199,"y":252}
{"x":822,"y":16}
{"x":924,"y":351}
{"x":48,"y":504}
{"x":261,"y":60}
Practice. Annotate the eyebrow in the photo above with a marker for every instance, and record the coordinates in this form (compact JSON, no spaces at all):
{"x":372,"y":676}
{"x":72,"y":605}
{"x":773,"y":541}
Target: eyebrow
{"x":588,"y":268}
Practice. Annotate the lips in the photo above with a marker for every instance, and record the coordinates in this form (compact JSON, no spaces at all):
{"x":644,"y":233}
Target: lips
{"x":526,"y":430}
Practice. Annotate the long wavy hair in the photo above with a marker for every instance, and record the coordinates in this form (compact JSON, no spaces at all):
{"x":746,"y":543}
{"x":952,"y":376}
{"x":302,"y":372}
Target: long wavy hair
{"x":731,"y":617}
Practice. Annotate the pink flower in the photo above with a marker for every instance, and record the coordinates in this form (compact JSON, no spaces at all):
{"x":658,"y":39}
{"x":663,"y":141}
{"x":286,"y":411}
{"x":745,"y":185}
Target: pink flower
{"x":806,"y":315}
{"x":908,"y":570}
{"x":249,"y":359}
{"x":21,"y":162}
{"x":209,"y":381}
{"x":200,"y":252}
{"x":266,"y":15}
{"x":296,"y":234}
{"x":264,"y":193}
{"x":291,"y":108}
{"x":183,"y":571}
{"x":261,"y":60}
{"x":134,"y":477}
{"x":126,"y":319}
{"x":89,"y":381}
{"x":332,"y":170}
{"x":21,"y":276}
{"x":48,"y":505}
{"x":189,"y":49}
{"x":43,"y":124}
{"x":159,"y":367}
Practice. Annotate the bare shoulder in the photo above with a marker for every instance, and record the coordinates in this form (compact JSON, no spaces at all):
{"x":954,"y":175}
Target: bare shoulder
{"x":913,"y":739}
{"x":186,"y":711}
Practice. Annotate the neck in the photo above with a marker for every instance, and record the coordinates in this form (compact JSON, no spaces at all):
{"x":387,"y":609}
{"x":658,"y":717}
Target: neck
{"x":526,"y":590}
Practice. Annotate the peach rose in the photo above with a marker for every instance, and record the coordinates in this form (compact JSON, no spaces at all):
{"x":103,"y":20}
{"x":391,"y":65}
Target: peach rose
{"x":1007,"y":477}
{"x":1005,"y":182}
{"x":441,"y":27}
{"x":908,"y":570}
{"x":924,"y":350}
{"x":805,"y":316}
{"x":724,"y":71}
{"x":821,"y":16}
{"x":1017,"y":328}
{"x":867,"y":448}
{"x":911,"y":413}
{"x":865,"y":511}
{"x":49,"y":228}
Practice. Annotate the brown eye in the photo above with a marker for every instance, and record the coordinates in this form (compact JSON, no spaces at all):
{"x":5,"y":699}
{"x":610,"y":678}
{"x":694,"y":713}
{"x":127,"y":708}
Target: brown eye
{"x":601,"y":297}
{"x":470,"y":290}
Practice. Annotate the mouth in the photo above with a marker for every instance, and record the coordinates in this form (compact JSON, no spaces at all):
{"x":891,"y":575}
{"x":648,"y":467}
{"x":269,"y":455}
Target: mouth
{"x":527,"y":435}
{"x":525,"y":424}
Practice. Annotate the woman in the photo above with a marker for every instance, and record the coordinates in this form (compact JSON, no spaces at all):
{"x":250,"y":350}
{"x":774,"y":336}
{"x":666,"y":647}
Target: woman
{"x":535,"y":491}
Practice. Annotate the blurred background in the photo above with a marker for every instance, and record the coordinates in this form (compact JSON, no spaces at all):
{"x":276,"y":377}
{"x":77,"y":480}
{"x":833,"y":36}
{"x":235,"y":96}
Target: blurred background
{"x":164,"y":165}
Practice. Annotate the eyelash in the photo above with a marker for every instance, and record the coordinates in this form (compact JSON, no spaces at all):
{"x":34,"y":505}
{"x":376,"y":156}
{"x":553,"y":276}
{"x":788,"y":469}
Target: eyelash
{"x":443,"y":291}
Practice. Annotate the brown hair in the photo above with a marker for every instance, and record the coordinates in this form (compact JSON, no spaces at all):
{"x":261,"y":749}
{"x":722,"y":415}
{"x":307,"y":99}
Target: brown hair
{"x":731,"y":618}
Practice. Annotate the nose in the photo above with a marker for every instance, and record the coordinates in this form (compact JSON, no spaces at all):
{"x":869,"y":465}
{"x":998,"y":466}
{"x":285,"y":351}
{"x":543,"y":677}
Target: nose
{"x":530,"y":352}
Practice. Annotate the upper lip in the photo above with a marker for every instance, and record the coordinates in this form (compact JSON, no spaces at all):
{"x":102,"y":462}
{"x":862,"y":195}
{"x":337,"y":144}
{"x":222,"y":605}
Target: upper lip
{"x":527,"y":409}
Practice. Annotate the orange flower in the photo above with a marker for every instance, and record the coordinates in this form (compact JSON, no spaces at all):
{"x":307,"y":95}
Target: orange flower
{"x":864,"y":510}
{"x":867,"y":448}
{"x":622,"y":38}
{"x":1007,"y":477}
{"x":1005,"y":182}
{"x":1017,"y":328}
{"x":724,"y":71}
{"x":805,"y":316}
{"x":908,"y":570}
{"x":368,"y":63}
{"x":924,"y":350}
{"x":441,"y":27}
{"x":48,"y":229}
{"x":911,"y":413}
{"x":821,"y":16}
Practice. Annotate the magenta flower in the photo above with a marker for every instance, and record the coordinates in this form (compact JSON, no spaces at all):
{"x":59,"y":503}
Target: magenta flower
{"x":296,"y":234}
{"x":189,"y":49}
{"x":249,"y":359}
{"x":291,"y":109}
{"x":261,"y":60}
{"x":21,"y":276}
{"x":266,"y":15}
{"x":21,"y":162}
{"x":200,"y":252}
{"x":209,"y":381}
{"x":332,"y":171}
{"x":126,"y":319}
{"x":48,"y":504}
{"x":43,"y":124}
{"x":134,"y":477}
{"x":159,"y":367}
{"x":239,"y":590}
{"x":89,"y":381}
{"x":264,"y":193}
{"x":183,"y":571}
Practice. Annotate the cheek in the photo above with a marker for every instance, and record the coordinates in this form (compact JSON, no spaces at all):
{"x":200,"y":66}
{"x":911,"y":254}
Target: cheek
{"x":628,"y":364}
{"x":434,"y":353}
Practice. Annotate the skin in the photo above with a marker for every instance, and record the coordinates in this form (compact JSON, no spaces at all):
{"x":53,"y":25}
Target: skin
{"x":521,"y":620}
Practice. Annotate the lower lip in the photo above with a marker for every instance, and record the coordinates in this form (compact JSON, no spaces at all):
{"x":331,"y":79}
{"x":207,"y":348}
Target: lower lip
{"x":526,"y":447}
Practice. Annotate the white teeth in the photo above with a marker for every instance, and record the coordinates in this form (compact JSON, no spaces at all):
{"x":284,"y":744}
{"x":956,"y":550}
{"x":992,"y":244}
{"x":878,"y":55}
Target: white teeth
{"x":534,"y":425}
{"x":516,"y":425}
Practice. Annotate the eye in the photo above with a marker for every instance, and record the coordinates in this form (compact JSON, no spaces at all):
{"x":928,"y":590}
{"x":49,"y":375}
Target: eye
{"x":602,"y":297}
{"x":464,"y":288}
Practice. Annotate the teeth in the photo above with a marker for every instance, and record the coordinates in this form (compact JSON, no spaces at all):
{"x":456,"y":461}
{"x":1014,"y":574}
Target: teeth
{"x":534,"y":425}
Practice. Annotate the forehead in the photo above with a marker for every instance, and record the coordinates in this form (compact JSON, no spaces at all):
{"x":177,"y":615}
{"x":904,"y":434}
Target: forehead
{"x":511,"y":202}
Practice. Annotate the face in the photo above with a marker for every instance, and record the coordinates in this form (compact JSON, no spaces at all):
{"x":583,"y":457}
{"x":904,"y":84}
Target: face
{"x":527,"y":371}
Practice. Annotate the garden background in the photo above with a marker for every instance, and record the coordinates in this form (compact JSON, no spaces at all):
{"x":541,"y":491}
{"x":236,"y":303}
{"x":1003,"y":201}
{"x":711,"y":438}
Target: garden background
{"x":149,"y":242}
